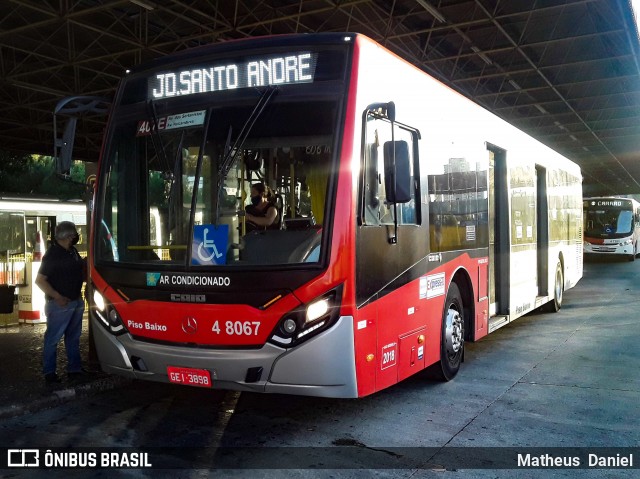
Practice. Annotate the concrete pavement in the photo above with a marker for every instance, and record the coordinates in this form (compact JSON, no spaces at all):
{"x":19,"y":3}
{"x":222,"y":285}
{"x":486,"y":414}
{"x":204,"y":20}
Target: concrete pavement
{"x":23,"y":387}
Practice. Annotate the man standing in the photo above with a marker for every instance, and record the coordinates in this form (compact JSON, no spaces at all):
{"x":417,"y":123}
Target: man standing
{"x":60,"y":277}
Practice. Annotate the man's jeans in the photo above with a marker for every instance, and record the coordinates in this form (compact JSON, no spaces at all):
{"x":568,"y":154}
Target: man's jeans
{"x":63,"y":321}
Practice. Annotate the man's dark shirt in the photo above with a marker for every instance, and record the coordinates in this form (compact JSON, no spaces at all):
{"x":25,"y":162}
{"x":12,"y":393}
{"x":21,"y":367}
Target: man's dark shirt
{"x":64,"y":270}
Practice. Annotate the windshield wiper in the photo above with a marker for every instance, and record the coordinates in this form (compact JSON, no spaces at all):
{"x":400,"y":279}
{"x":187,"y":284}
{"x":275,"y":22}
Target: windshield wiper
{"x":156,"y":139}
{"x":231,"y":152}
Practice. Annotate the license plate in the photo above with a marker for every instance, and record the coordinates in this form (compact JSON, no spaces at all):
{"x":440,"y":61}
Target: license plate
{"x":189,"y":376}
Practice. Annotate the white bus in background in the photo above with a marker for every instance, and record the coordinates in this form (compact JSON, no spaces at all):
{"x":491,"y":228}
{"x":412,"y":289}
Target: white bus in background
{"x":27,"y":226}
{"x":611,"y":226}
{"x":42,"y":215}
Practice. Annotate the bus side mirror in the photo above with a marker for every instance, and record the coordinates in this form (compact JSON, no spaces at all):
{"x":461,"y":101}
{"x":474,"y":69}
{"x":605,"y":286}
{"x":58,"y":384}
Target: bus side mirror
{"x":64,"y":148}
{"x":397,"y":174}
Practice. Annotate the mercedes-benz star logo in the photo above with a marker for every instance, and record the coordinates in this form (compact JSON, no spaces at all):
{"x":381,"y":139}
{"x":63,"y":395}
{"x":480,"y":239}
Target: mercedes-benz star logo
{"x":190,"y":325}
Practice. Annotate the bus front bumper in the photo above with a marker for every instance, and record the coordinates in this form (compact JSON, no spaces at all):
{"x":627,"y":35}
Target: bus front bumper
{"x":612,"y":248}
{"x":322,"y":366}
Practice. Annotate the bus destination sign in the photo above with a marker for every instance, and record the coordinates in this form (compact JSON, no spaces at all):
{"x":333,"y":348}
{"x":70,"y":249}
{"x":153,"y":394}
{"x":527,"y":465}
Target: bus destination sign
{"x":256,"y":72}
{"x":615,"y":203}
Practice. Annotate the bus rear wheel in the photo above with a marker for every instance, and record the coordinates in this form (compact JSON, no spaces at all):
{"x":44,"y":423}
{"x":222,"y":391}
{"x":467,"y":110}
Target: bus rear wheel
{"x":558,"y":290}
{"x":452,"y":336}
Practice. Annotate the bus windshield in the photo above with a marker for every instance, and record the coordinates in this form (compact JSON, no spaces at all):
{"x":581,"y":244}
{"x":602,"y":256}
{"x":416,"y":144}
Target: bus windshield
{"x":178,"y":184}
{"x":608,"y":222}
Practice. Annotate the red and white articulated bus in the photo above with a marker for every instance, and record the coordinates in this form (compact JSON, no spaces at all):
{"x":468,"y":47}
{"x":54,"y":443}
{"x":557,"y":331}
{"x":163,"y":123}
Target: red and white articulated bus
{"x":410,"y":220}
{"x":611,"y":226}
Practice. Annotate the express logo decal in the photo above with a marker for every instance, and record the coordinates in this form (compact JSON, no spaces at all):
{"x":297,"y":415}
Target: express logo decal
{"x":432,"y":285}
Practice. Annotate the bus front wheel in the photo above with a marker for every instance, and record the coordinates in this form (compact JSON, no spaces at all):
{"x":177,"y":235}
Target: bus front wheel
{"x":452,"y":336}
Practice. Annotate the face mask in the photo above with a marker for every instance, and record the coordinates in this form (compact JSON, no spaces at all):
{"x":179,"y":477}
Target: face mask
{"x":255,"y":200}
{"x":75,"y":239}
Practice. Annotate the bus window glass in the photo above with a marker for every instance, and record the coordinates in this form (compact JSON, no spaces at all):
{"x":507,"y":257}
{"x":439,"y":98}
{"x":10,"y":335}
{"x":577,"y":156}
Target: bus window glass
{"x":376,"y":210}
{"x":132,"y":228}
{"x":454,"y":218}
{"x":608,"y":220}
{"x":624,"y":223}
{"x":200,"y":177}
{"x":12,"y":248}
{"x":523,"y":205}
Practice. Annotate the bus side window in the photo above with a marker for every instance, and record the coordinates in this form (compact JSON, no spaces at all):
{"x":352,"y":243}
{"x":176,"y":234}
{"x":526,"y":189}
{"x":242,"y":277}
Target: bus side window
{"x":376,"y":209}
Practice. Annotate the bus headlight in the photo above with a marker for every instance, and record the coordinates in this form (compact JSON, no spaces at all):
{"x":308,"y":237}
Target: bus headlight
{"x":98,"y":300}
{"x":626,"y":242}
{"x":107,"y":313}
{"x":317,"y":309}
{"x":306,"y":321}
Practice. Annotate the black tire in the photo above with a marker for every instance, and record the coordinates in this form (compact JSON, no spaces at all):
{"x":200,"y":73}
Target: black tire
{"x":451,"y":337}
{"x":558,"y":290}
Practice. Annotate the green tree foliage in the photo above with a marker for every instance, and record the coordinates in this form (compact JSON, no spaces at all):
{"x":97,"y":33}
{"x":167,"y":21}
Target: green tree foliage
{"x":12,"y":167}
{"x":34,"y":175}
{"x":156,"y":189}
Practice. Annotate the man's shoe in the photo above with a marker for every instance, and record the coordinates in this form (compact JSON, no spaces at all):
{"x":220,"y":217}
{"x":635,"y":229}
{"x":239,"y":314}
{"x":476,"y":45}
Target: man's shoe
{"x":52,"y":378}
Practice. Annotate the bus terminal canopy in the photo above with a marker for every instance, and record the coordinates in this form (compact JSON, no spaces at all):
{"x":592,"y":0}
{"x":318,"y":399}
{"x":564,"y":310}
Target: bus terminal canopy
{"x":566,"y":72}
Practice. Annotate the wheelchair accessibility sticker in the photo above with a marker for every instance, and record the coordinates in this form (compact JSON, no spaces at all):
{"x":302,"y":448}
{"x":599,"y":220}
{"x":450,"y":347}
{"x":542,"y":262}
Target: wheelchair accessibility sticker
{"x":209,"y":244}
